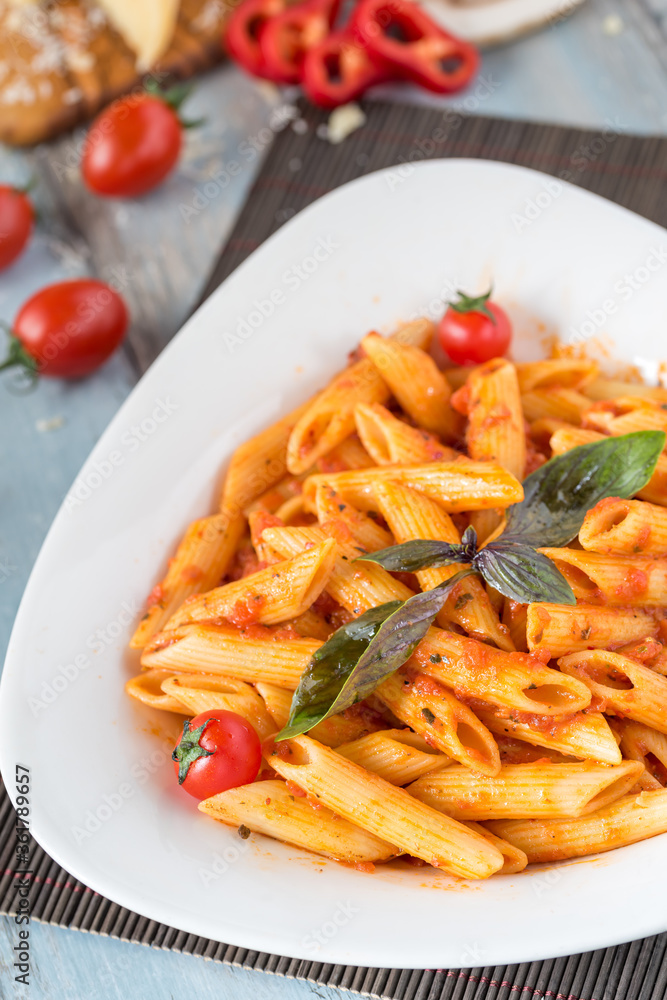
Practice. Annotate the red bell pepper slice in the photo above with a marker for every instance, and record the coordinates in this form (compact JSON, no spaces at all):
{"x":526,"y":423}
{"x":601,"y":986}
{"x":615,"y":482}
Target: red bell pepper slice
{"x":243,"y":30}
{"x":287,"y":37}
{"x":340,"y":69}
{"x":401,"y":34}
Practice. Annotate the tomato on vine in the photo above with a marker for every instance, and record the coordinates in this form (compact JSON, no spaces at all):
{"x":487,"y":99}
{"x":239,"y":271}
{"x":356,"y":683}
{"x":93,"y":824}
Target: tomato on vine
{"x":474,"y":329}
{"x":216,"y":751}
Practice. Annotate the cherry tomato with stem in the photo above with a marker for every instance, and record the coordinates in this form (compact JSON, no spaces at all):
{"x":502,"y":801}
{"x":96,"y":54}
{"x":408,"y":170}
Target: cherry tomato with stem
{"x":135,"y":143}
{"x":68,"y":329}
{"x":216,"y":751}
{"x":474,"y":329}
{"x":16,"y":221}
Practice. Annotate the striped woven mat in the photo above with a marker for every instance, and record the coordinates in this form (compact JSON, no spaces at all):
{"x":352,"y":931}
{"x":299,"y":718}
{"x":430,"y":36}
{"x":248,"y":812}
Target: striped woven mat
{"x":300,"y":167}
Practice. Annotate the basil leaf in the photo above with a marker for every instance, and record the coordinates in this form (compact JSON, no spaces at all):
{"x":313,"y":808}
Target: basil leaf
{"x":333,"y":683}
{"x":558,"y":495}
{"x":522,"y":574}
{"x":422,"y":553}
{"x":329,"y":668}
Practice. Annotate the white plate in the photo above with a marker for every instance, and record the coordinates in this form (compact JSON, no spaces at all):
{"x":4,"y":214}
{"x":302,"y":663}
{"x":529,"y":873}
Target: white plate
{"x":495,"y":21}
{"x":389,"y":243}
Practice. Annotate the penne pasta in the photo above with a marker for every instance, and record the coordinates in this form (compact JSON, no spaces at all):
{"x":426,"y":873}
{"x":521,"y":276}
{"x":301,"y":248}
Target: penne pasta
{"x":525,"y":791}
{"x":649,"y":748}
{"x":353,"y":724}
{"x":416,"y":382}
{"x":445,"y":722}
{"x":556,"y":629}
{"x":397,"y":755}
{"x":585,"y":735}
{"x":629,"y":819}
{"x":459,"y":485}
{"x":375,"y":805}
{"x":272,"y":595}
{"x":556,"y":404}
{"x":343,"y":521}
{"x":200,"y":562}
{"x":514,"y":858}
{"x":217,"y":649}
{"x":510,"y":680}
{"x":147,"y":688}
{"x":627,"y":581}
{"x":624,"y":527}
{"x":391,"y":441}
{"x":625,"y":415}
{"x":330,"y":417}
{"x":269,"y":807}
{"x":495,"y":431}
{"x":560,"y":373}
{"x":202,"y":693}
{"x":625,"y":687}
{"x":606,"y":388}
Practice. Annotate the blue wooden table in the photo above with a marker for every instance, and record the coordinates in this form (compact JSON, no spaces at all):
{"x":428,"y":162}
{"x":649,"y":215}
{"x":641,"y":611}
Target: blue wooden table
{"x":605,"y":67}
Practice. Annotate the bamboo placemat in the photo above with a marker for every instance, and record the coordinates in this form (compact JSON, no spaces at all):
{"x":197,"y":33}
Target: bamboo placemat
{"x":301,"y":167}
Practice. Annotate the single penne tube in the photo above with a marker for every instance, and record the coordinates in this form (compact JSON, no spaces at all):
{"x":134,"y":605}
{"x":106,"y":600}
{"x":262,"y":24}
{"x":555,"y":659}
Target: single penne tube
{"x":563,"y":373}
{"x":510,"y":680}
{"x":260,"y":463}
{"x":383,"y":809}
{"x":515,"y":859}
{"x":585,"y":735}
{"x":559,"y":628}
{"x":391,"y":441}
{"x":273,"y":499}
{"x":217,"y":649}
{"x":559,"y":404}
{"x":648,"y":747}
{"x":353,"y":724}
{"x":292,"y":511}
{"x":202,"y":693}
{"x":625,"y":821}
{"x":626,"y":687}
{"x":312,"y":625}
{"x":411,"y":515}
{"x":514,"y":619}
{"x":416,"y":382}
{"x":624,"y":580}
{"x":445,"y":722}
{"x":272,"y":595}
{"x":397,"y":755}
{"x":349,"y":454}
{"x":655,"y":490}
{"x":342,"y":520}
{"x":459,"y":486}
{"x":147,"y":688}
{"x":625,"y":415}
{"x":358,"y":586}
{"x":526,"y":791}
{"x":416,"y":333}
{"x":330,"y":417}
{"x":607,"y":388}
{"x":541,"y":431}
{"x":271,"y":808}
{"x":201,"y":560}
{"x":625,"y":527}
{"x":495,"y":431}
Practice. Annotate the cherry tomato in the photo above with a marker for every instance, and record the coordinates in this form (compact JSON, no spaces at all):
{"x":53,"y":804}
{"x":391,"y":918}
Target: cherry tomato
{"x":132,"y":146}
{"x":474,"y":330}
{"x":16,"y":219}
{"x":218,"y":750}
{"x":68,"y":329}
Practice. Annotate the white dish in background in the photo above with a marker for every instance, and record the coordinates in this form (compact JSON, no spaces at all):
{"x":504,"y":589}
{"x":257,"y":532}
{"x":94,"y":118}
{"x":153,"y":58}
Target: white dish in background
{"x":491,"y":22}
{"x":389,"y":244}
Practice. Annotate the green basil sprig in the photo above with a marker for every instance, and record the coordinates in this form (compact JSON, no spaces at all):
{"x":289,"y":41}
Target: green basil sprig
{"x":363,"y":653}
{"x":359,"y":656}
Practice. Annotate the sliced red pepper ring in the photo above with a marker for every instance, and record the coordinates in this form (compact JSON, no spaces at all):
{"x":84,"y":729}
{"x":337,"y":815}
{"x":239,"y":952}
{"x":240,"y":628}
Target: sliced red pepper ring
{"x":339,"y":70}
{"x":243,"y":30}
{"x":402,"y":34}
{"x":287,"y":37}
